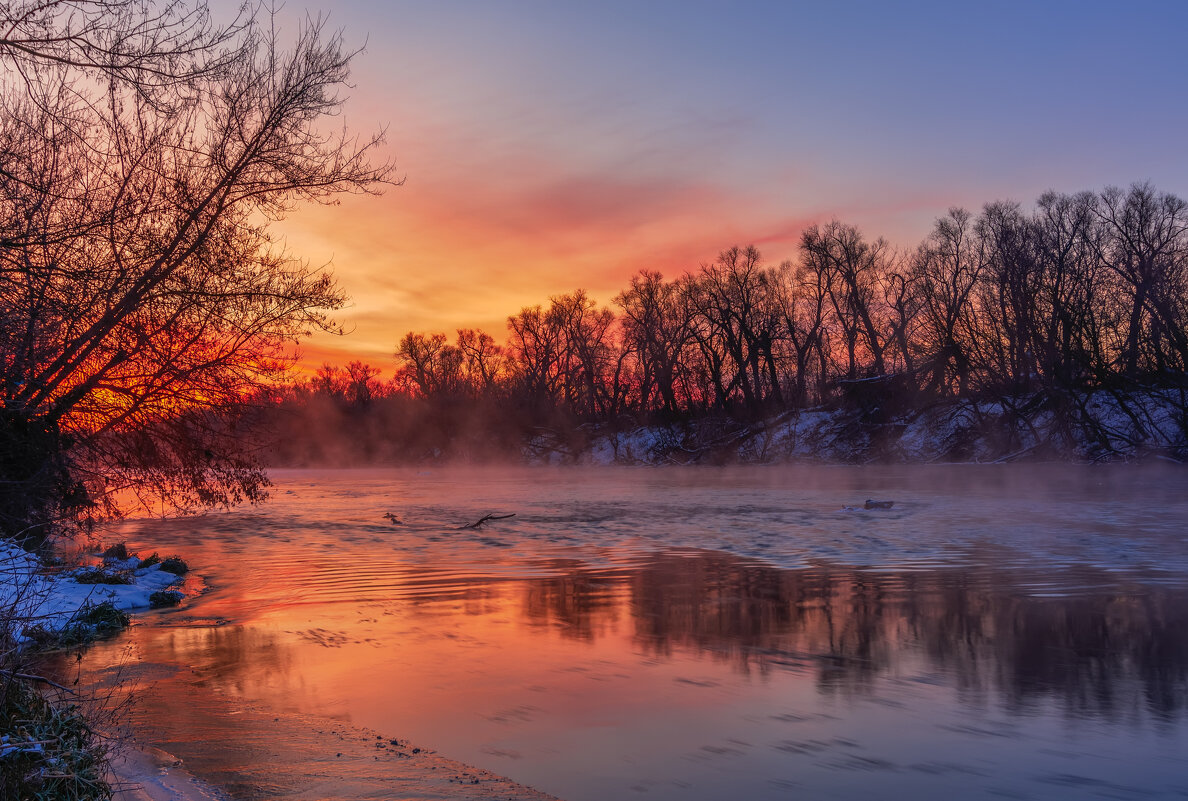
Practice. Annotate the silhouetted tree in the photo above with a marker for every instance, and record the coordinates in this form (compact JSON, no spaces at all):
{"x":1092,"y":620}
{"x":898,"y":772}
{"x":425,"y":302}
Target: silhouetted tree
{"x":485,"y":362}
{"x":1033,"y":311}
{"x":536,"y":346}
{"x":800,"y":295}
{"x":1003,"y":337}
{"x":1145,"y":244}
{"x":656,"y":328}
{"x":430,"y":366}
{"x":947,"y":267}
{"x":1068,"y":342}
{"x":144,"y":153}
{"x":851,"y":268}
{"x":735,"y":325}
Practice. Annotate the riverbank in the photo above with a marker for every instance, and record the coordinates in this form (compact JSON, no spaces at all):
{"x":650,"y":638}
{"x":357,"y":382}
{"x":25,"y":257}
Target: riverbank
{"x":317,"y":758}
{"x":869,"y":427}
{"x":47,"y":600}
{"x":50,"y":746}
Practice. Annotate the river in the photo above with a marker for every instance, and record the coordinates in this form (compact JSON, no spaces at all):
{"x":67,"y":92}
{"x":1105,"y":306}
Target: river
{"x":1016,"y":631}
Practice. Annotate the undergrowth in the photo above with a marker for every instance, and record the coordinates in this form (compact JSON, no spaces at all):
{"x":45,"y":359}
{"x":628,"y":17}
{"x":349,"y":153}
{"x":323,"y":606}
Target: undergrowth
{"x":48,"y":751}
{"x":97,"y":575}
{"x":93,"y":622}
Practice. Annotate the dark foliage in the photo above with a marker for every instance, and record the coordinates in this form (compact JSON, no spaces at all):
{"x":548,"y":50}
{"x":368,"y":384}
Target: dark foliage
{"x":165,"y":598}
{"x":174,"y":565}
{"x":143,"y":150}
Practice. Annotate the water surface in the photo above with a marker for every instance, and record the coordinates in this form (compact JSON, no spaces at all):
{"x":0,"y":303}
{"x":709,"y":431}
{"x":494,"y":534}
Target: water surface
{"x":1014,"y":631}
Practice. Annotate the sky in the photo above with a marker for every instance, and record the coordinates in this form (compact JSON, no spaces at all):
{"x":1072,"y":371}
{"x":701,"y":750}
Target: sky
{"x":547,"y":146}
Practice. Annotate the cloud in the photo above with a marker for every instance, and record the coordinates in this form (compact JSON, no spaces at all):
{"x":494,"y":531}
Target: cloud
{"x":502,"y":211}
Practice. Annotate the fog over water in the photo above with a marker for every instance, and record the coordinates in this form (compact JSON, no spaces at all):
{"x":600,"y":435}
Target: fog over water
{"x":1017,"y":631}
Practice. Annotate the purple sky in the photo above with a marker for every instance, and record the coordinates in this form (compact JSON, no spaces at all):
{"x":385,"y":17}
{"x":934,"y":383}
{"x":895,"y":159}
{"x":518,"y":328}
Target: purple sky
{"x":553,"y":145}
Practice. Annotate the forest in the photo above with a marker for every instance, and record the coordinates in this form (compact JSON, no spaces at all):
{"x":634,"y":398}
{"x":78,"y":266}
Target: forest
{"x":1037,"y":310}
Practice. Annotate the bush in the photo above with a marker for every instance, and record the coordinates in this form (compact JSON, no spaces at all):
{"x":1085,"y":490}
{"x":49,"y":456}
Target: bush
{"x":105,"y":617}
{"x":69,"y":762}
{"x":175,"y":565}
{"x":97,"y":575}
{"x":118,"y":551}
{"x":163,"y":598}
{"x":149,"y":561}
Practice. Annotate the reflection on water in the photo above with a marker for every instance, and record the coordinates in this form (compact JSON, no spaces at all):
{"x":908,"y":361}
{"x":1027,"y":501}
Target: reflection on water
{"x":593,"y":667}
{"x":1116,"y":648}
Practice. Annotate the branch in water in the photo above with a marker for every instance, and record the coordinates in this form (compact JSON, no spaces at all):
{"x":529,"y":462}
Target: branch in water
{"x":482,"y":520}
{"x":31,"y":677}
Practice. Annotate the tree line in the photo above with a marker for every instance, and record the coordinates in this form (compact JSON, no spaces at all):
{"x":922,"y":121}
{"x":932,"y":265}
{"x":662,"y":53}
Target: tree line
{"x":1080,"y":293}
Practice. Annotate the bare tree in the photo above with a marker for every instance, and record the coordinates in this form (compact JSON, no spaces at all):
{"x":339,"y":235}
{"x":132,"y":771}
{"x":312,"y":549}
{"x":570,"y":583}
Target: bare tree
{"x":536,"y":345}
{"x":139,"y":285}
{"x":1145,"y":244}
{"x":486,"y":363}
{"x":430,"y":366}
{"x":1003,"y":342}
{"x":147,"y":45}
{"x":736,"y":326}
{"x":851,"y":267}
{"x":656,"y":327}
{"x":800,"y":295}
{"x":948,"y":266}
{"x":1069,"y":342}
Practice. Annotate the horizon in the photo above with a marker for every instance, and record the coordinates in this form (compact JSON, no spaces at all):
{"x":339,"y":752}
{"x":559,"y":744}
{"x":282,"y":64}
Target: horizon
{"x":557,"y":148}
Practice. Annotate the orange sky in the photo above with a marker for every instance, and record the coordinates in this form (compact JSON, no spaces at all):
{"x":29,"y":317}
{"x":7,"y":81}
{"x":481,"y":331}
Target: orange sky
{"x":452,"y":248}
{"x":549,"y":147}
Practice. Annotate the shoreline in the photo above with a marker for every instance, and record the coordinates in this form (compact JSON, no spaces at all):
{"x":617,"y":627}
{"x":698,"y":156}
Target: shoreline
{"x":305,"y":757}
{"x":141,"y":772}
{"x":138,"y":768}
{"x":52,"y":736}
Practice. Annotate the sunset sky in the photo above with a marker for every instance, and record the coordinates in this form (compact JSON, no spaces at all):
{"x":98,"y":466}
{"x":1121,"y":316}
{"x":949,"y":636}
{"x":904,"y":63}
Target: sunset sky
{"x":547,"y":146}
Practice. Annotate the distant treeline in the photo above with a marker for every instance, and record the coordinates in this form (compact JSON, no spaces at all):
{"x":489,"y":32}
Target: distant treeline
{"x":1085,"y":292}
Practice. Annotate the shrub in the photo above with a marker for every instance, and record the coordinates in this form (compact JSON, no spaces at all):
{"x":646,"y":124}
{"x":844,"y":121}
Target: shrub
{"x":175,"y":565}
{"x":163,"y":598}
{"x":97,"y":575}
{"x":92,"y":622}
{"x":105,"y":617}
{"x":118,"y":551}
{"x":69,"y":762}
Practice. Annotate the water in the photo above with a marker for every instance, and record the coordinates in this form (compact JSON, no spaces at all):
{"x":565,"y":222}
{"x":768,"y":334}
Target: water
{"x":1015,"y":631}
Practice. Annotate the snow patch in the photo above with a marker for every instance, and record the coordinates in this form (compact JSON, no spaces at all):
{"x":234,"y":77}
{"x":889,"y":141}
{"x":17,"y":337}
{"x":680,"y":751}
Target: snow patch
{"x":53,"y":600}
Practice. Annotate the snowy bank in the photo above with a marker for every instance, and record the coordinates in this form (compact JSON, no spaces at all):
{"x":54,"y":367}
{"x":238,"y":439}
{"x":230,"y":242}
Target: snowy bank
{"x":53,"y":601}
{"x":1099,"y":426}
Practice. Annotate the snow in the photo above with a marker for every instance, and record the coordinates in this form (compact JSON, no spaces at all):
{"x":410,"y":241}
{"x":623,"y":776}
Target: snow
{"x":53,"y":600}
{"x":1100,"y":425}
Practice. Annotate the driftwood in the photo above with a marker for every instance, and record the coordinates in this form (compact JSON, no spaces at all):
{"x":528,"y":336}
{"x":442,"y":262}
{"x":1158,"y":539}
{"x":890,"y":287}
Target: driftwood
{"x":879,"y":504}
{"x":484,"y":519}
{"x":39,"y":679}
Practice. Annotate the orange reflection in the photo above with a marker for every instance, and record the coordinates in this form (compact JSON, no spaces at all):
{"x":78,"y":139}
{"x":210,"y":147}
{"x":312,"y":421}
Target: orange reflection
{"x":552,"y":678}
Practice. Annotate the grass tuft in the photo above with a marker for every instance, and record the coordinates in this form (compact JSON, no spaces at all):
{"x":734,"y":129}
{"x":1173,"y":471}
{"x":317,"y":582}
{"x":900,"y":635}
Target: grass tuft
{"x":118,"y":551}
{"x":175,"y":565}
{"x":97,"y":575}
{"x":48,"y":750}
{"x":93,"y":622}
{"x":163,"y":598}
